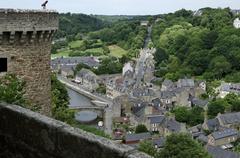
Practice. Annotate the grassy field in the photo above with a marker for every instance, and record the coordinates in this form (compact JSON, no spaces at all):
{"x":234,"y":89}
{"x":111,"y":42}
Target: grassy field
{"x":75,"y":44}
{"x":64,"y":53}
{"x":117,"y":51}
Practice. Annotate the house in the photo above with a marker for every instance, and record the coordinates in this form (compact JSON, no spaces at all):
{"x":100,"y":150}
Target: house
{"x":235,"y":11}
{"x":155,"y":122}
{"x":236,"y":23}
{"x":127,"y":70}
{"x":88,"y":79}
{"x":211,"y":125}
{"x":167,"y":85}
{"x":173,"y":126}
{"x":229,"y":120}
{"x":202,"y":139}
{"x":217,"y":152}
{"x":185,"y":83}
{"x":227,"y":88}
{"x":92,"y":62}
{"x":196,"y":131}
{"x":136,"y":138}
{"x":223,"y":137}
{"x":199,"y":102}
{"x":67,"y":71}
{"x":144,"y":23}
{"x":147,"y":94}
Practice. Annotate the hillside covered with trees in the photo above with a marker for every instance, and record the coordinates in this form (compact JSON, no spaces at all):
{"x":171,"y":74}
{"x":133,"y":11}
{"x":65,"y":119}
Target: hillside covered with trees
{"x":206,"y":45}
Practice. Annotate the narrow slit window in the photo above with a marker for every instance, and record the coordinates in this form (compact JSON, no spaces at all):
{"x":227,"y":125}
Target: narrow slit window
{"x":3,"y":65}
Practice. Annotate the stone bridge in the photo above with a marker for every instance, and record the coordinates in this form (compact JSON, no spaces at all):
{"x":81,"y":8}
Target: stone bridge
{"x":100,"y":110}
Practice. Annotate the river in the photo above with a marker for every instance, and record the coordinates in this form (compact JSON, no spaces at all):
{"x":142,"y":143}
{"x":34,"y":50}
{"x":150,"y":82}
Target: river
{"x":77,"y":99}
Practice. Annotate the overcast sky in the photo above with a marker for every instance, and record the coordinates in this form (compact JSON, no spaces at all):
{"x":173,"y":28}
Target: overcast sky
{"x":120,"y":7}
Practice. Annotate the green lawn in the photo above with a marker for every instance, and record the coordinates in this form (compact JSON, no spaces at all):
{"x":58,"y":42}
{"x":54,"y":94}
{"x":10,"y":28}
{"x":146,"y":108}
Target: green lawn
{"x":117,"y":51}
{"x":75,"y":44}
{"x":64,"y":53}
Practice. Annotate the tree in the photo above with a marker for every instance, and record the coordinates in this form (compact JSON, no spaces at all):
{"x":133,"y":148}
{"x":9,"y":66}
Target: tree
{"x":141,"y":129}
{"x":147,"y":147}
{"x":12,"y":90}
{"x":182,"y":145}
{"x":60,"y":101}
{"x":219,"y":66}
{"x":215,"y":107}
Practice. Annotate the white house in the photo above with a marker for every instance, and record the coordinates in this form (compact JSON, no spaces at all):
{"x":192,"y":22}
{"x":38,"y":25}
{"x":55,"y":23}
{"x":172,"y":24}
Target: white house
{"x":236,"y":23}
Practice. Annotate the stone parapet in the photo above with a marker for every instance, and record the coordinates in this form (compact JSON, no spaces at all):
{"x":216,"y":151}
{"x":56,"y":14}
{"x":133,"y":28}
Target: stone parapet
{"x":24,"y":133}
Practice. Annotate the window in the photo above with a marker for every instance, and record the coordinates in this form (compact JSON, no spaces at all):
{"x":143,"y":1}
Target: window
{"x":3,"y":64}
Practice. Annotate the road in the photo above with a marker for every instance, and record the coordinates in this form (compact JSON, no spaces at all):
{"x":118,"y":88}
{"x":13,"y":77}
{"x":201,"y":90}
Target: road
{"x":108,"y":116}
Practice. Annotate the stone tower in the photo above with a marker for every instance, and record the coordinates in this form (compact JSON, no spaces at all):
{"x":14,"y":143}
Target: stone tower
{"x":25,"y":45}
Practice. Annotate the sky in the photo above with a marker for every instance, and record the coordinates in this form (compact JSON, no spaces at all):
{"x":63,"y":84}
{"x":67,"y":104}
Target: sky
{"x":120,"y":7}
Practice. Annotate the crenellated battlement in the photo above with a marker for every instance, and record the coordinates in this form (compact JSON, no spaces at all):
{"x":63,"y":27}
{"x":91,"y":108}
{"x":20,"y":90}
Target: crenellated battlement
{"x":26,"y":37}
{"x":25,"y":48}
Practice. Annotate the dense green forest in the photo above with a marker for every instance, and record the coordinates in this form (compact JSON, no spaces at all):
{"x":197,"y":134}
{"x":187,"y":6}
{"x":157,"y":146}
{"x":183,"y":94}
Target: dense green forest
{"x":207,"y":46}
{"x":73,"y":24}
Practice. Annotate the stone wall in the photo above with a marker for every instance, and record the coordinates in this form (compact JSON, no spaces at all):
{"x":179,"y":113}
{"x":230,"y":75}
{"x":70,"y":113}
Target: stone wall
{"x":25,"y":40}
{"x":25,"y":134}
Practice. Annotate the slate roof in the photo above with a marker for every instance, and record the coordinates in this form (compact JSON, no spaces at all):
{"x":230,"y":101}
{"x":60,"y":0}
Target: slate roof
{"x":160,"y":143}
{"x":167,"y":94}
{"x":217,"y":152}
{"x":230,"y":118}
{"x":173,"y":125}
{"x":90,"y":61}
{"x":213,"y":124}
{"x":156,"y":119}
{"x":230,"y":87}
{"x":87,"y":74}
{"x":167,"y":83}
{"x":202,"y":138}
{"x":137,"y":137}
{"x":137,"y":92}
{"x":199,"y":102}
{"x":225,"y":133}
{"x":156,"y":102}
{"x":138,"y":108}
{"x":186,"y":83}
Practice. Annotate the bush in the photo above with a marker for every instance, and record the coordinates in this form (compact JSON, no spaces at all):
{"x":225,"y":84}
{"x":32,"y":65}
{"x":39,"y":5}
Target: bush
{"x":141,"y":129}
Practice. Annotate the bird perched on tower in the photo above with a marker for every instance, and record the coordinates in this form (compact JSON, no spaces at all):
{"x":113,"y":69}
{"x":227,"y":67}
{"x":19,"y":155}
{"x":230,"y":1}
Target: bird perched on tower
{"x":44,"y":4}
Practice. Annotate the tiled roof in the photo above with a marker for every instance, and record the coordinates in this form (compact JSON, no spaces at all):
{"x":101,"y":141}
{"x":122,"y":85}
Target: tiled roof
{"x":159,"y":142}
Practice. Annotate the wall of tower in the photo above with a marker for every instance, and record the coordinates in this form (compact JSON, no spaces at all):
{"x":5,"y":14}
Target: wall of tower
{"x":25,"y":41}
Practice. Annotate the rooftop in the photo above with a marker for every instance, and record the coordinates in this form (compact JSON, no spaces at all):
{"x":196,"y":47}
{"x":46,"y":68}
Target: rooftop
{"x":225,"y":133}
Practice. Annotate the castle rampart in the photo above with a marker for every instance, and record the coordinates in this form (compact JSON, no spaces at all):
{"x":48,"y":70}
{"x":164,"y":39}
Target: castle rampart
{"x":25,"y":46}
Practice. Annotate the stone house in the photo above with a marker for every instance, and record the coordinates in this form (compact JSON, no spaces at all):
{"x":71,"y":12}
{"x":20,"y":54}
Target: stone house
{"x":136,"y":138}
{"x":229,"y":120}
{"x":227,"y":88}
{"x":173,"y":126}
{"x":167,"y":85}
{"x":223,"y":137}
{"x":159,"y":143}
{"x":211,"y":125}
{"x":154,"y":123}
{"x":66,"y":72}
{"x":115,"y":87}
{"x":87,"y":78}
{"x":217,"y":152}
{"x":236,"y":23}
{"x":144,"y":93}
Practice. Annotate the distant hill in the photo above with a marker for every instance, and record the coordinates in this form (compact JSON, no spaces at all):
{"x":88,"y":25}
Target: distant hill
{"x":72,"y":24}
